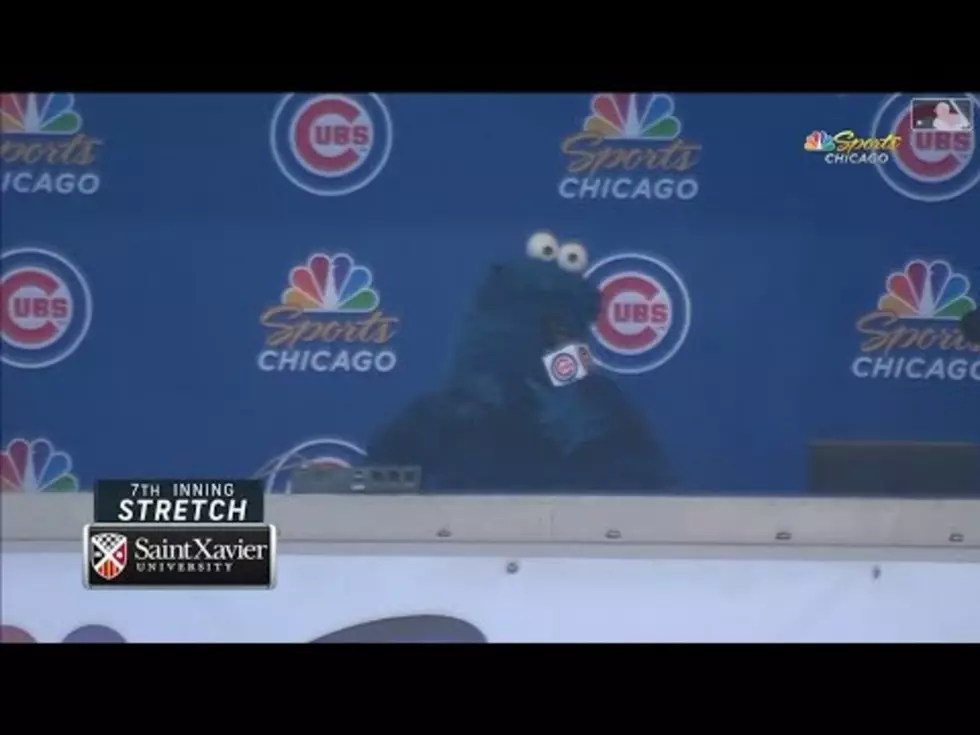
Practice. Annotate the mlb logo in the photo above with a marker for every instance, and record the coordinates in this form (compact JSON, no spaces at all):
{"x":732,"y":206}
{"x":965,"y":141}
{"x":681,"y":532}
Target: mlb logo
{"x":109,"y":552}
{"x":945,"y":114}
{"x":567,"y":365}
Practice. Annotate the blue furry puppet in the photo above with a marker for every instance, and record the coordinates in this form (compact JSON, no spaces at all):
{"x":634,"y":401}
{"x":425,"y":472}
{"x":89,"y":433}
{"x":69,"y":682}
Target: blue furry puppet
{"x":970,"y":325}
{"x":498,"y":424}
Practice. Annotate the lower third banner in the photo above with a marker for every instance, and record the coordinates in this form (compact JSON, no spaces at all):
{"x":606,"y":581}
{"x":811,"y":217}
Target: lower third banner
{"x":168,"y":555}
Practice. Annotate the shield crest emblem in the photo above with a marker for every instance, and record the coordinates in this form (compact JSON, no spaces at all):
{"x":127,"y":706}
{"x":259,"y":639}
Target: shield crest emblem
{"x":109,"y":553}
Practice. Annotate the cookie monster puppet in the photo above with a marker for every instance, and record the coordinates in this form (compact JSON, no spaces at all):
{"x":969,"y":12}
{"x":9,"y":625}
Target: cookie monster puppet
{"x":970,"y":324}
{"x":499,"y":424}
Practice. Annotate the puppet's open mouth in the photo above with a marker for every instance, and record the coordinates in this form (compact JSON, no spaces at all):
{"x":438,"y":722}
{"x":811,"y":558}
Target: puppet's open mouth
{"x":557,"y":331}
{"x":971,"y":326}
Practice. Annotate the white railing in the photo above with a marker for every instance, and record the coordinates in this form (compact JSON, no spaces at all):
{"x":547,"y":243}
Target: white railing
{"x":600,"y":525}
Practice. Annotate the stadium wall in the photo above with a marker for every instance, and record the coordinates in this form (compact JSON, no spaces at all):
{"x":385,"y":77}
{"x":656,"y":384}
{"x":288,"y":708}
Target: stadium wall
{"x":494,"y":598}
{"x":534,"y":569}
{"x":783,"y":523}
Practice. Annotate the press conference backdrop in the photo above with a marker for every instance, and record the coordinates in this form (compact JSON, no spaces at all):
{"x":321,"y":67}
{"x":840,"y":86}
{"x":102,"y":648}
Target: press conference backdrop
{"x":232,"y":284}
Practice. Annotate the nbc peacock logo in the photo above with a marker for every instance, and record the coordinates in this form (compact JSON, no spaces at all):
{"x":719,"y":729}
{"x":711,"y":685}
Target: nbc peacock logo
{"x":819,"y":141}
{"x":36,"y":466}
{"x":329,"y":320}
{"x":44,"y":150}
{"x":630,"y":147}
{"x":914,"y":333}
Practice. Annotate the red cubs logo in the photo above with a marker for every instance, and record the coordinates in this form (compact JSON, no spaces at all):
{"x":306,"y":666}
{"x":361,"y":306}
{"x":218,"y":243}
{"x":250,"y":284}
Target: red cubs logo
{"x":564,"y":368}
{"x":332,"y":135}
{"x":45,"y":307}
{"x":327,"y":463}
{"x":644,"y":313}
{"x":36,"y":308}
{"x":635,"y":314}
{"x":331,"y":144}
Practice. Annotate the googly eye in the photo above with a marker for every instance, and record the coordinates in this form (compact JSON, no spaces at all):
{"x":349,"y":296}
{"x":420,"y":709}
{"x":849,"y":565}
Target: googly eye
{"x":542,"y":246}
{"x":573,"y":257}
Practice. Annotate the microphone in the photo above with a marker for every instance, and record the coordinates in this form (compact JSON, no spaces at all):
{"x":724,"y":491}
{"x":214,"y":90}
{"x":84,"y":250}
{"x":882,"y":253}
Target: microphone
{"x":567,"y":364}
{"x":970,"y":325}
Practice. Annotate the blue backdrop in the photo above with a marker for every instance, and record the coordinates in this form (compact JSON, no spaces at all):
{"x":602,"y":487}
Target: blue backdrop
{"x":184,"y":215}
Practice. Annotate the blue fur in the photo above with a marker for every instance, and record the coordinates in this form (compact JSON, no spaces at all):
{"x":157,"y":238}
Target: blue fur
{"x":498,"y":425}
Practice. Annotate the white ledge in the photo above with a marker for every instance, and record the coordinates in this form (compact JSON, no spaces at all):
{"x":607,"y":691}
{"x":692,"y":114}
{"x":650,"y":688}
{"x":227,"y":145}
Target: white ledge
{"x":531,"y":520}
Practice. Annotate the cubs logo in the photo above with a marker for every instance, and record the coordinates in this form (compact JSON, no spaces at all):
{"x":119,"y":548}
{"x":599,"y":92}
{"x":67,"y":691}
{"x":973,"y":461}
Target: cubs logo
{"x":331,"y":144}
{"x":46,"y":308}
{"x":644,"y":313}
{"x":564,"y":368}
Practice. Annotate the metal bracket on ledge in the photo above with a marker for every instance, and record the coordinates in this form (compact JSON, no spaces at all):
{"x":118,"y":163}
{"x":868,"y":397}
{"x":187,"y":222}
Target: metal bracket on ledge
{"x":333,"y":480}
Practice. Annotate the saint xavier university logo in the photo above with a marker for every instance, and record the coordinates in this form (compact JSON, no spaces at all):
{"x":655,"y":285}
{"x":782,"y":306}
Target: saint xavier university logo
{"x":108,"y":555}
